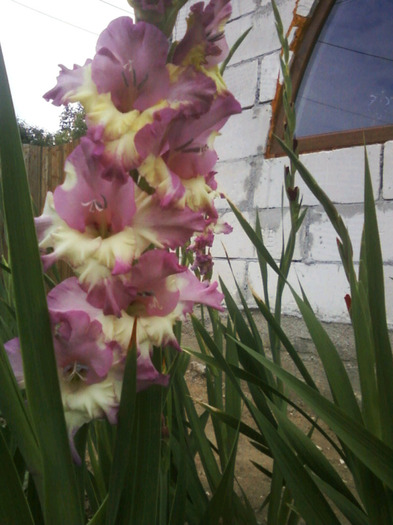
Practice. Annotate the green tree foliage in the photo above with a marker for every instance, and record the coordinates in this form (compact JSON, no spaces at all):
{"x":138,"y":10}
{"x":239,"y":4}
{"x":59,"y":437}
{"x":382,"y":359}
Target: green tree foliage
{"x":72,"y":126}
{"x":34,"y":135}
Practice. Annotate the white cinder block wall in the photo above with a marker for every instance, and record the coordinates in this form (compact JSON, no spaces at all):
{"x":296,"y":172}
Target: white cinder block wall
{"x":255,"y":183}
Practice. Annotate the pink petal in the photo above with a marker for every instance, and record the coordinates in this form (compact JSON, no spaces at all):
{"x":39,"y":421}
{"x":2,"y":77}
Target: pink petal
{"x":112,"y":295}
{"x":170,"y":226}
{"x":69,"y":82}
{"x":193,"y":92}
{"x":131,"y":64}
{"x":149,"y":277}
{"x":205,"y":31}
{"x":78,"y":337}
{"x":92,"y":200}
{"x":194,"y":291}
{"x":191,"y":133}
{"x":147,"y":374}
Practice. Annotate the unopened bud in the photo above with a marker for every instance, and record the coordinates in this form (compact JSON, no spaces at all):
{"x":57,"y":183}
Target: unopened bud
{"x":292,"y":193}
{"x":294,"y":144}
{"x":348,"y":302}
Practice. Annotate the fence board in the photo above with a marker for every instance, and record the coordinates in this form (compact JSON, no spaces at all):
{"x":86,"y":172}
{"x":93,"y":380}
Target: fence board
{"x":45,"y":171}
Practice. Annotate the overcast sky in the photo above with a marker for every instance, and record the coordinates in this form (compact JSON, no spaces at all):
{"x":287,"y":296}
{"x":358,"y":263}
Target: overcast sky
{"x":37,"y":35}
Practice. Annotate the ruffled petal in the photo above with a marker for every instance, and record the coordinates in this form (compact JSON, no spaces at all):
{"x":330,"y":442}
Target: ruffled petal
{"x":164,"y":227}
{"x":204,"y":42}
{"x":193,"y":291}
{"x":151,"y":276}
{"x":69,"y":83}
{"x":86,"y":403}
{"x":130,"y":64}
{"x":81,"y":352}
{"x":87,"y":199}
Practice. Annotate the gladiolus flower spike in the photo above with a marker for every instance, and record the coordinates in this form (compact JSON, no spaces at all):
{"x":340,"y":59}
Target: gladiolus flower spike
{"x":137,"y":187}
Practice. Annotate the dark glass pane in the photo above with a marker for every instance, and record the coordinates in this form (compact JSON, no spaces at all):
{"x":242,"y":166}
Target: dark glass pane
{"x":348,"y":83}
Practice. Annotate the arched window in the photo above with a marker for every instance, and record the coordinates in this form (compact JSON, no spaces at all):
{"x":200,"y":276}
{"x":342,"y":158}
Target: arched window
{"x":342,"y":76}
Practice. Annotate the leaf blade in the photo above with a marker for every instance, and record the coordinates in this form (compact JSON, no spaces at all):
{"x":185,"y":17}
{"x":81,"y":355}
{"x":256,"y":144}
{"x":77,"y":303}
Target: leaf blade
{"x":42,"y":387}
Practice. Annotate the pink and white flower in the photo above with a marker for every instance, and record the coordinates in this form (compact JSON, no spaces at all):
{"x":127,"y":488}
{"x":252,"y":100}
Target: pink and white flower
{"x":139,"y":186}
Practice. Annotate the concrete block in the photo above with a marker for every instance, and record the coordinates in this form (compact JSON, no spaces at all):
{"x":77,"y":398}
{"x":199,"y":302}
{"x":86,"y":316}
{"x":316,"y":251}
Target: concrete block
{"x":268,"y":191}
{"x":223,"y":270}
{"x":244,"y":134}
{"x":321,"y":237}
{"x":236,"y":244}
{"x":385,"y":222}
{"x":242,"y":81}
{"x":235,"y":180}
{"x":234,"y":29}
{"x":324,"y":284}
{"x":242,"y":7}
{"x":340,"y":173}
{"x":276,"y":225}
{"x":387,"y":190}
{"x":388,"y":276}
{"x":270,"y":73}
{"x":263,"y":38}
{"x":255,"y":284}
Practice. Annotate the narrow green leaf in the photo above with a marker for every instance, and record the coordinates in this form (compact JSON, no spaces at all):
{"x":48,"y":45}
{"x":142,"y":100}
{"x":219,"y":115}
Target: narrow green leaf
{"x":221,"y":504}
{"x":336,"y":374}
{"x":371,"y":451}
{"x":98,"y":481}
{"x":196,"y":493}
{"x":255,"y":239}
{"x":145,"y":464}
{"x":287,"y":507}
{"x":232,"y":421}
{"x":321,"y":196}
{"x":247,"y":336}
{"x":123,"y":444}
{"x":13,"y":408}
{"x":34,"y":502}
{"x":376,"y":299}
{"x":233,"y":50}
{"x":266,"y":388}
{"x":311,"y":456}
{"x":262,"y":469}
{"x":42,"y":387}
{"x":365,"y":353}
{"x":92,"y":492}
{"x":204,"y":449}
{"x":232,"y":397}
{"x":99,"y":516}
{"x":178,"y":510}
{"x":259,"y":399}
{"x":293,"y":354}
{"x":249,"y":315}
{"x":13,"y":504}
{"x":353,"y":513}
{"x":308,"y":498}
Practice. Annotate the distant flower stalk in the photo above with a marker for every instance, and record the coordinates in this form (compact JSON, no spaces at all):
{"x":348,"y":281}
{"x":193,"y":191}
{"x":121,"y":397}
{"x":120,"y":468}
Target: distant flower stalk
{"x":139,"y":186}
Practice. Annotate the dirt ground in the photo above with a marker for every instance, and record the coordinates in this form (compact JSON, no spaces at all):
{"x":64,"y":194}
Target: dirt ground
{"x":254,"y":483}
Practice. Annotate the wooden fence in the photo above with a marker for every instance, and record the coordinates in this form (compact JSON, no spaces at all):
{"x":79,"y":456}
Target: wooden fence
{"x":45,"y":169}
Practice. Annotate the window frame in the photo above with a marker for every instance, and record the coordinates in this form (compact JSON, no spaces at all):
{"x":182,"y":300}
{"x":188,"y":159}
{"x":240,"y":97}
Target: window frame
{"x":326,"y":141}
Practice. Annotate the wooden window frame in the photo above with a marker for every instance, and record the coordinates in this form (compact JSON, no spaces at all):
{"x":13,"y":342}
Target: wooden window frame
{"x":324,"y":141}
